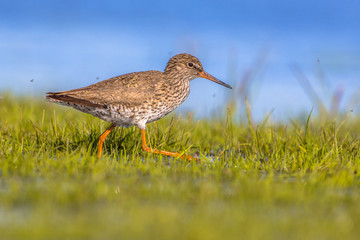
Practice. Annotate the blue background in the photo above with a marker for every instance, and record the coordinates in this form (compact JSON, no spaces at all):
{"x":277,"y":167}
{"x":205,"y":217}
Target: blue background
{"x":59,"y":45}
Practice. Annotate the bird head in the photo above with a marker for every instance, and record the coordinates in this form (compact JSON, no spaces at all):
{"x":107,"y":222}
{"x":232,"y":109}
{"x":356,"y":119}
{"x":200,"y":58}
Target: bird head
{"x":189,"y":67}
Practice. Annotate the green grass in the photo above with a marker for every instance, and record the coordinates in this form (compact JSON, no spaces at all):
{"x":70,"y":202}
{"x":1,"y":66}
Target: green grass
{"x":255,"y":181}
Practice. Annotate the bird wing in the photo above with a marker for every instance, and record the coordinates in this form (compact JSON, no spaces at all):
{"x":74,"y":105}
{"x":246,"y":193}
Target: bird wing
{"x":128,"y":89}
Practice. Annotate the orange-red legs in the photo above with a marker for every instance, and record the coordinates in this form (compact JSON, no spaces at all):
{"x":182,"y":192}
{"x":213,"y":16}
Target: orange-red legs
{"x":146,"y":148}
{"x":102,"y":139}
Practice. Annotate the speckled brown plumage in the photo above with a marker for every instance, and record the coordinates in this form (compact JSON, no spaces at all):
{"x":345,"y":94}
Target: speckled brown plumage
{"x":137,"y":98}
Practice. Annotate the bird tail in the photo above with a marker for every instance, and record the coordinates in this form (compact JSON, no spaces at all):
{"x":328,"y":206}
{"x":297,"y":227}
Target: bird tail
{"x":63,"y":98}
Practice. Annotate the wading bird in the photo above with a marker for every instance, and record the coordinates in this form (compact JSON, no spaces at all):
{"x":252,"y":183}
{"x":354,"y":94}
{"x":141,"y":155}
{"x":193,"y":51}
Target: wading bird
{"x":137,"y":98}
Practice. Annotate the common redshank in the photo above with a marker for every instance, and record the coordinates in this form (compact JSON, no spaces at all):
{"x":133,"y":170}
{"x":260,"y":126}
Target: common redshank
{"x":137,"y":98}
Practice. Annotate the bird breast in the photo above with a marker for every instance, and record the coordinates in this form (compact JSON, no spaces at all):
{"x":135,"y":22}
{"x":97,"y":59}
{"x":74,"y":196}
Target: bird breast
{"x":168,"y":97}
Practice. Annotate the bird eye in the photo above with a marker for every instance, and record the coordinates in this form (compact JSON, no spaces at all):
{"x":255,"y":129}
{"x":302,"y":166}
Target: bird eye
{"x":190,"y":64}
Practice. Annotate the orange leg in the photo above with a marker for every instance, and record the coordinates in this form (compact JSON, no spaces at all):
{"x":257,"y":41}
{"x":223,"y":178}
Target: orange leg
{"x":146,"y":148}
{"x":102,"y":139}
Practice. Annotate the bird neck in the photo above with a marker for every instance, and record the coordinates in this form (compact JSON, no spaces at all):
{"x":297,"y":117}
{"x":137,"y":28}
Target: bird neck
{"x":177,"y":76}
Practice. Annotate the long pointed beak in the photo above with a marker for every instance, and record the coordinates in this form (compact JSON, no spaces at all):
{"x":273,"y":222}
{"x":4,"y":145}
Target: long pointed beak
{"x":214,"y":79}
